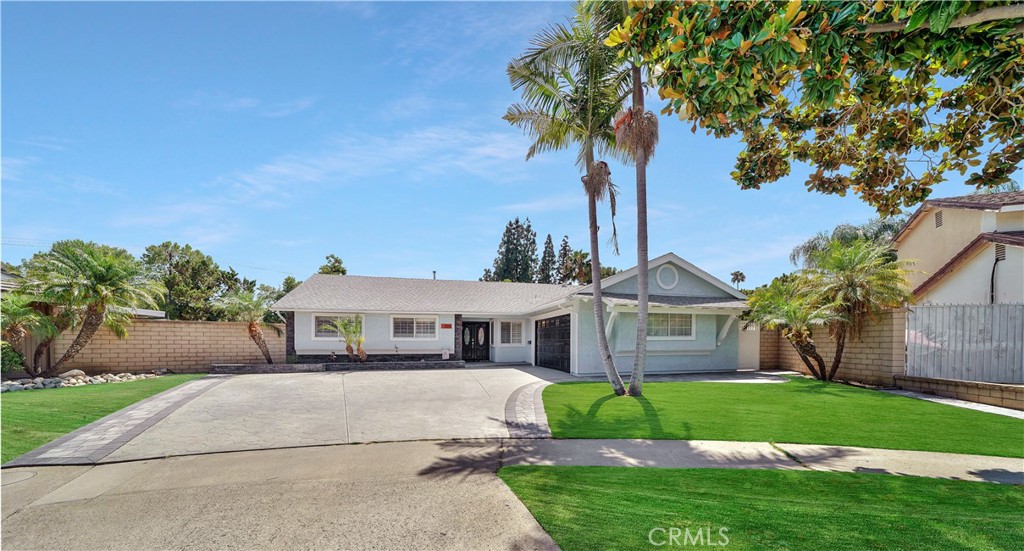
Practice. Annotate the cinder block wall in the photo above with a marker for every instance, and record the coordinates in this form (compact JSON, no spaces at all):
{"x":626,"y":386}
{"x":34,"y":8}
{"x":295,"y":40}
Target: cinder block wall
{"x":874,"y":357}
{"x":181,"y":346}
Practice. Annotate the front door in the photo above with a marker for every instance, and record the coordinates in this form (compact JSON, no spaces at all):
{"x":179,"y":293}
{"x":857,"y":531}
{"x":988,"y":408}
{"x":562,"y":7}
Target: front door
{"x":476,"y":341}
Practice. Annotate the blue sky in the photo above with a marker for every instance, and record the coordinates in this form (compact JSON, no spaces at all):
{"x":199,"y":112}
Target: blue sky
{"x":269,"y":135}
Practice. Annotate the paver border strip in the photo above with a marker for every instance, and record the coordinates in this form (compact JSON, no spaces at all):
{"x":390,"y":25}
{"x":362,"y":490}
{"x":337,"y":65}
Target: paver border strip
{"x":527,"y":424}
{"x":33,"y":458}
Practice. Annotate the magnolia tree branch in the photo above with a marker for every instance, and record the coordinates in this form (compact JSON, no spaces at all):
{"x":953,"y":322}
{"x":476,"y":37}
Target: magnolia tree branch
{"x":1013,"y":11}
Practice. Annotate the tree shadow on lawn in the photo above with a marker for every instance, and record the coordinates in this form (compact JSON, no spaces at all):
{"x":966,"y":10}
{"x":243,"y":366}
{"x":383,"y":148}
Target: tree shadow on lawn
{"x":576,"y":419}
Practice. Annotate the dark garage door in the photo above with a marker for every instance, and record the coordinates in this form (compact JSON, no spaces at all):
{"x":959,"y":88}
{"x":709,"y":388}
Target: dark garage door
{"x":553,"y":343}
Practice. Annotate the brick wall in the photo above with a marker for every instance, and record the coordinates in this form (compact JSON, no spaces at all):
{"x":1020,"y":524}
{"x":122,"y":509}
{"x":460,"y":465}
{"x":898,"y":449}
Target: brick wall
{"x":1010,"y":396}
{"x":180,"y":346}
{"x":874,"y":357}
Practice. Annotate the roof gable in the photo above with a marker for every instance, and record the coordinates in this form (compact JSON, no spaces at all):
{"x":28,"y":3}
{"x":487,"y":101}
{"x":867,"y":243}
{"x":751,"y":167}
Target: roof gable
{"x":689,"y":280}
{"x":980,"y":201}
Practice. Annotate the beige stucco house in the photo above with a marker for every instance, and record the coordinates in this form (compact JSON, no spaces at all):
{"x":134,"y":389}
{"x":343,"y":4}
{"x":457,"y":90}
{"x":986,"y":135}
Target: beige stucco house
{"x":967,"y":250}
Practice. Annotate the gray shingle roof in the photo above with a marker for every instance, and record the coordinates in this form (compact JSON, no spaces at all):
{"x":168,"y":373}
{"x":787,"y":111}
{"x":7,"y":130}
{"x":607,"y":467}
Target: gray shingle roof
{"x":334,"y":293}
{"x":667,"y":300}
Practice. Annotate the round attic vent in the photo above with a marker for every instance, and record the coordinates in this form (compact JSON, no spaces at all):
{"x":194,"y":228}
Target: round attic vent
{"x":667,"y":276}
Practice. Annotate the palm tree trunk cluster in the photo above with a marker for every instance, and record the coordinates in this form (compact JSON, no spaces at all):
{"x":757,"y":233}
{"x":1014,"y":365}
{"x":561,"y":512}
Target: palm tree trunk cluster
{"x":807,"y":351}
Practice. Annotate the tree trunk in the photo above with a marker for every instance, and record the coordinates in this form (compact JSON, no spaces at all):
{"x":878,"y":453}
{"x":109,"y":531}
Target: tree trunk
{"x":806,"y":349}
{"x":62,"y":325}
{"x":256,"y":334}
{"x":351,"y":352}
{"x":91,"y":323}
{"x":636,"y":378}
{"x":840,"y":346}
{"x":595,"y":274}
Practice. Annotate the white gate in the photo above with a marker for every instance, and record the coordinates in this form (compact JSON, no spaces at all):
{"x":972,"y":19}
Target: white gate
{"x":975,"y":342}
{"x":750,"y":347}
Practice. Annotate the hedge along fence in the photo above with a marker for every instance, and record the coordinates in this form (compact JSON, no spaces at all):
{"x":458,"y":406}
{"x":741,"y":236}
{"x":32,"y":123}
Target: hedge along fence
{"x":180,"y":346}
{"x":875,"y":356}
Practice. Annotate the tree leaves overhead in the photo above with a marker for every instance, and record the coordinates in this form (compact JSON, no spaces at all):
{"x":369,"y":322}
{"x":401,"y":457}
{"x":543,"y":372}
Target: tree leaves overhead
{"x":884,"y":99}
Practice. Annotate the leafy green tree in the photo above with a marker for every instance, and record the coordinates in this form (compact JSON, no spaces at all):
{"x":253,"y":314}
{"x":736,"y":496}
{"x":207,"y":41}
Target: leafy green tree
{"x":251,"y":308}
{"x":879,"y":230}
{"x":608,"y":271}
{"x":103,"y":283}
{"x":546,"y":270}
{"x":572,"y":87}
{"x":881,"y":98}
{"x":333,"y":266}
{"x":859,"y":280}
{"x":564,"y":252}
{"x":193,"y":280}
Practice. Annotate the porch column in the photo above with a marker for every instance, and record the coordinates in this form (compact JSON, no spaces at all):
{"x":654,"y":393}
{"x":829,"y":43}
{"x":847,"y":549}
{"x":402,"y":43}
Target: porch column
{"x":289,"y":335}
{"x":457,"y":353}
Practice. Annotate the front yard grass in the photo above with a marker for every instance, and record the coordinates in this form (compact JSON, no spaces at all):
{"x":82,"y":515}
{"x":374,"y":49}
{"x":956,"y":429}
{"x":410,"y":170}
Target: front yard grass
{"x":32,"y":418}
{"x":618,"y":507}
{"x":800,"y":411}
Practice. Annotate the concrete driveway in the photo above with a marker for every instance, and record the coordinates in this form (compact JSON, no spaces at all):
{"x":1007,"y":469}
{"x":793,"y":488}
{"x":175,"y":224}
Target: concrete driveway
{"x":406,"y":495}
{"x":252,"y":412}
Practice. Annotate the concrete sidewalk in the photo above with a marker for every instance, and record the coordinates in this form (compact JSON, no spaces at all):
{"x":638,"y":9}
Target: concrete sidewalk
{"x":762,"y":455}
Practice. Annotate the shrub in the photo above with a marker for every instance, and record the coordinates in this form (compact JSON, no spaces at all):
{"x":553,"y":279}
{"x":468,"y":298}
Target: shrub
{"x":10,"y":358}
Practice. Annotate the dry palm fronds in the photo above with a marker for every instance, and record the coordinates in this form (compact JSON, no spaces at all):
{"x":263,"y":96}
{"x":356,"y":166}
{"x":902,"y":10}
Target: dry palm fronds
{"x":637,"y":134}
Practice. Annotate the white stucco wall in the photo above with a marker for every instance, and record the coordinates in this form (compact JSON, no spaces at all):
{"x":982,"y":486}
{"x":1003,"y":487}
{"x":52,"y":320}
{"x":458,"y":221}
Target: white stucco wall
{"x":970,"y":284}
{"x":377,"y":330}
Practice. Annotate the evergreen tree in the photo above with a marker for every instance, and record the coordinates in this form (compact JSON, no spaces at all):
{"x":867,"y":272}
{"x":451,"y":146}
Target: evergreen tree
{"x":564,"y":254}
{"x":517,"y":254}
{"x":546,"y":272}
{"x":526,"y":268}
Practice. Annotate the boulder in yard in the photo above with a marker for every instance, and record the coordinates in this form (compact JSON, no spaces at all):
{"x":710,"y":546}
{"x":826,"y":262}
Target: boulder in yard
{"x":72,"y":373}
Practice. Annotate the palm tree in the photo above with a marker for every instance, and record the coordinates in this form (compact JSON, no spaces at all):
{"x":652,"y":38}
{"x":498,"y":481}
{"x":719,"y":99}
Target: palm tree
{"x":786,"y":305}
{"x":576,"y":268}
{"x":860,"y":280}
{"x":351,"y":331}
{"x":879,"y":230}
{"x":737,"y":278}
{"x":636,"y":132}
{"x":572,"y":86}
{"x":20,"y":319}
{"x":103,"y":283}
{"x":249,"y":307}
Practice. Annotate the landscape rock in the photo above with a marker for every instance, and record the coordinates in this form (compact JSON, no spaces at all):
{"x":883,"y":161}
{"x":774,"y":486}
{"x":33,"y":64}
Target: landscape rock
{"x":73,"y":373}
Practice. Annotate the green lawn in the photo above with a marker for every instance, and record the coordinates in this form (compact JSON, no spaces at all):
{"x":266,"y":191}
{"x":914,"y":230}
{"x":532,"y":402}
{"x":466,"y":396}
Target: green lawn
{"x":32,"y":418}
{"x":801,"y":411}
{"x":618,"y":507}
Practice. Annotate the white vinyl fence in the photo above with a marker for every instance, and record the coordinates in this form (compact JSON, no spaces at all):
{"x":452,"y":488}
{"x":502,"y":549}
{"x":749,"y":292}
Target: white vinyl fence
{"x":975,"y":342}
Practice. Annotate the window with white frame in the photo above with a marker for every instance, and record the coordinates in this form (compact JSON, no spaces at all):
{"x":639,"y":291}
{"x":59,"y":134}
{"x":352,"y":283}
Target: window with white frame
{"x":325,"y":325}
{"x":411,"y":327}
{"x":670,"y":325}
{"x":511,"y":332}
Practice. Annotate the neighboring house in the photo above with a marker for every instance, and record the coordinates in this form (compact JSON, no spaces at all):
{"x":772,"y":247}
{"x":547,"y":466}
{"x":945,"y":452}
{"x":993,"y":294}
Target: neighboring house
{"x":8,"y":281}
{"x":693,"y":322}
{"x":967,"y":250}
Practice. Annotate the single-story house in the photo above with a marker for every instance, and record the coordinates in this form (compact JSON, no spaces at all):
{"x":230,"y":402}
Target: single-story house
{"x":693,"y":323}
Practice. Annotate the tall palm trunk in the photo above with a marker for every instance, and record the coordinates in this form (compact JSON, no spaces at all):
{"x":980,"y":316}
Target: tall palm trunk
{"x":256,"y":334}
{"x":91,"y":323}
{"x":636,"y":379}
{"x":595,"y":274}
